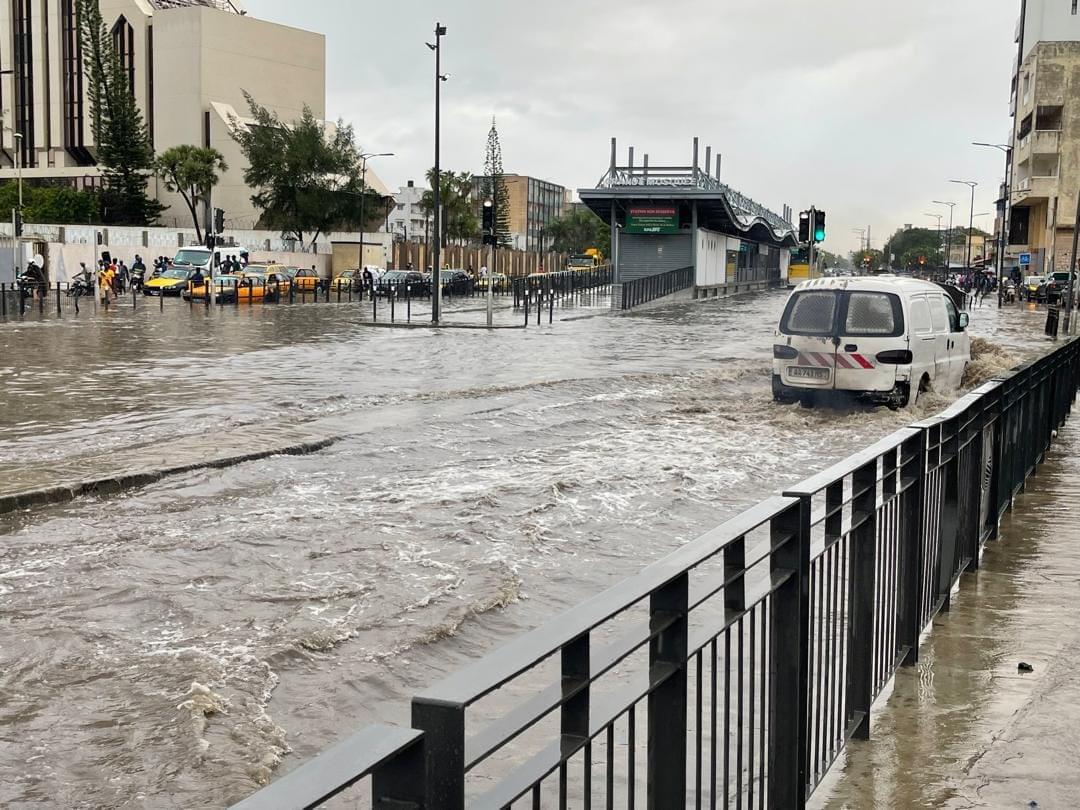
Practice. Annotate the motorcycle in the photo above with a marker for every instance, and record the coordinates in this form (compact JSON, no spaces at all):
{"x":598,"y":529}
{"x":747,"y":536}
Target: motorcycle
{"x":82,"y":285}
{"x":136,"y":280}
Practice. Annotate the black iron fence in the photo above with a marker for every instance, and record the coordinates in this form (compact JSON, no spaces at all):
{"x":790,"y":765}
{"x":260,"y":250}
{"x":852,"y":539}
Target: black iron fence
{"x":732,"y":672}
{"x":642,"y":290}
{"x":537,"y":294}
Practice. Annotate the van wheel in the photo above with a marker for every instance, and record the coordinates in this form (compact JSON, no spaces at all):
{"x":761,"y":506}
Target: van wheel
{"x":924,"y":387}
{"x":899,"y":397}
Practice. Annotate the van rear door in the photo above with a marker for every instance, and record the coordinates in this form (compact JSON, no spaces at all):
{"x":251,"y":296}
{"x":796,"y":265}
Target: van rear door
{"x":871,"y":322}
{"x":809,"y":326}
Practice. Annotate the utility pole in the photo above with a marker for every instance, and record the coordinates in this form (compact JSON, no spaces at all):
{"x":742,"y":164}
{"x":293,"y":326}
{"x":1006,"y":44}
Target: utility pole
{"x":810,"y":254}
{"x":436,"y":276}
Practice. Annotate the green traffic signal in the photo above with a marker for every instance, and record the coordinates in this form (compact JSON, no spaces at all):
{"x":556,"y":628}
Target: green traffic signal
{"x":819,"y":235}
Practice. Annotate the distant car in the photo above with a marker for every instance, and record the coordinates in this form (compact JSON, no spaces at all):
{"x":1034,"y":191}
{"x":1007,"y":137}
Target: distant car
{"x":455,"y":282}
{"x":403,"y":283}
{"x":224,"y":290}
{"x":346,"y":280}
{"x":306,"y":280}
{"x":499,"y":282}
{"x":1057,"y":287}
{"x":1034,"y":288}
{"x":171,"y":282}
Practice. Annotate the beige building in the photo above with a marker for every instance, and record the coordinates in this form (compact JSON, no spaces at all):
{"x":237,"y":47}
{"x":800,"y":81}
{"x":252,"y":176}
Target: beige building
{"x":189,"y":63}
{"x":1045,"y":171}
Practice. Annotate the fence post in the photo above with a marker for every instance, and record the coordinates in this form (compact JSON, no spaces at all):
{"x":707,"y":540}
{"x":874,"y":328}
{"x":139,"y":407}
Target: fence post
{"x":789,"y":644}
{"x":401,"y":781}
{"x":443,"y":725}
{"x":912,"y":514}
{"x":58,"y":298}
{"x":862,"y":584}
{"x":667,"y":703}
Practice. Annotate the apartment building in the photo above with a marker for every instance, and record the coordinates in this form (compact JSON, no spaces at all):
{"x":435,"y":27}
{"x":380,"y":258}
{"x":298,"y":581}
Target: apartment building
{"x":1045,"y":159}
{"x":407,"y":219}
{"x":533,"y":204}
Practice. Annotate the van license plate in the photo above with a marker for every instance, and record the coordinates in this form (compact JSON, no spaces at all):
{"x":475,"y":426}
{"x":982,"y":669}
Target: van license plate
{"x":808,"y":373}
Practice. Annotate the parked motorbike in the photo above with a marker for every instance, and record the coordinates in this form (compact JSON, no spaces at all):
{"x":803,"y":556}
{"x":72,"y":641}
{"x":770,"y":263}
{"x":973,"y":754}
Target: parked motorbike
{"x":136,"y":280}
{"x":80,"y":286}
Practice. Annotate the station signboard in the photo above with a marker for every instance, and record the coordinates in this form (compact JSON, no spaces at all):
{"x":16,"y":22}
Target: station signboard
{"x":652,"y":219}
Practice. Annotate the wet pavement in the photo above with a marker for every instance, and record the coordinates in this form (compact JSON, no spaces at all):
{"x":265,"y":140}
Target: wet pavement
{"x":177,"y":644}
{"x":965,"y":728}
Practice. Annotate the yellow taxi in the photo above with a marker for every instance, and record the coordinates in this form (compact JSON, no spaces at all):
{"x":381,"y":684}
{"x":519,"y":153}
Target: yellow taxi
{"x":172,"y":282}
{"x":225,"y":288}
{"x":306,"y":280}
{"x":346,"y":280}
{"x":498,"y":281}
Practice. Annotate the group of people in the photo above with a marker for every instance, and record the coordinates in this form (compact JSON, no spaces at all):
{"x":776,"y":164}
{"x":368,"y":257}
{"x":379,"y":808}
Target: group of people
{"x":114,"y":277}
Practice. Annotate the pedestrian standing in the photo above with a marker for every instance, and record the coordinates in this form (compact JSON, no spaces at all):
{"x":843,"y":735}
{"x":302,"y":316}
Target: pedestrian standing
{"x":121,"y":278}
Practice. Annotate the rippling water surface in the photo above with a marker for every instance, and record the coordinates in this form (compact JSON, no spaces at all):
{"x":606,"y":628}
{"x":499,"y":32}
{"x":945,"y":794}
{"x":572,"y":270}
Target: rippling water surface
{"x":170,"y":646}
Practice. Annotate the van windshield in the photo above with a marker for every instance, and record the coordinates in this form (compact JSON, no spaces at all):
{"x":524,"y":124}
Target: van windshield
{"x":810,"y":313}
{"x":200,"y":257}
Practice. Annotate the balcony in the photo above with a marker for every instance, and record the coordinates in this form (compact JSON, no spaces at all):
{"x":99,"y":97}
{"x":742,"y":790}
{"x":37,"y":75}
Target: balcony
{"x":1035,"y":189}
{"x":1046,"y":142}
{"x":1019,"y":29}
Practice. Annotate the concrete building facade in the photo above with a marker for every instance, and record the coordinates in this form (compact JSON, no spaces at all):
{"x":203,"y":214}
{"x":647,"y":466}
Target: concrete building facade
{"x":407,"y":219}
{"x":188,"y":62}
{"x":1045,"y":158}
{"x":534,"y":203}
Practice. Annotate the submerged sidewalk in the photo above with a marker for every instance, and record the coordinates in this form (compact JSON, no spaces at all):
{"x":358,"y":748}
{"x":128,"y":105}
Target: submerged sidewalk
{"x":965,"y":728}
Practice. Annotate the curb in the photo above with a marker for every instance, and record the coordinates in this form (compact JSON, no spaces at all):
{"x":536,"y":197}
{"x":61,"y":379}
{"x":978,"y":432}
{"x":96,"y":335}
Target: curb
{"x":117,"y":483}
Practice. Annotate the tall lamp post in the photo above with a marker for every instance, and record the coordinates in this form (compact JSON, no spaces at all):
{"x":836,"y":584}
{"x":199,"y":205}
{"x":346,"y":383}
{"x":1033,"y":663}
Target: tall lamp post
{"x":16,"y":221}
{"x":971,"y":217}
{"x":436,"y":277}
{"x":1004,"y":208}
{"x":948,"y":234}
{"x":364,"y":158}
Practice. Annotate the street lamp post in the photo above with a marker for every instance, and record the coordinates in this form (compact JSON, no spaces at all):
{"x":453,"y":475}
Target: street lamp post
{"x":436,"y":277}
{"x":948,"y":234}
{"x":364,"y":157}
{"x":1005,"y":209}
{"x":16,"y":223}
{"x":971,"y":217}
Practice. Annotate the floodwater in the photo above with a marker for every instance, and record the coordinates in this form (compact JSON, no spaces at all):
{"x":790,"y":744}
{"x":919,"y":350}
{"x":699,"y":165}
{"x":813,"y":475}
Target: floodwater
{"x":179,"y":644}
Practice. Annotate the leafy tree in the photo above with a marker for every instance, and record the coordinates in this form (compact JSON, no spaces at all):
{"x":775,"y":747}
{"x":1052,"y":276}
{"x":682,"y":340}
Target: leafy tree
{"x":51,"y":204}
{"x":912,"y":244}
{"x":578,"y":230}
{"x":123,"y":144}
{"x":871,"y":260}
{"x":459,"y":220}
{"x":191,"y":171}
{"x":307,"y":179}
{"x":494,"y":186}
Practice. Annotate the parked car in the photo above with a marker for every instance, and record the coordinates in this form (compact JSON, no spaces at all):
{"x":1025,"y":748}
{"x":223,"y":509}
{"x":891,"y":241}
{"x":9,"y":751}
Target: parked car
{"x":224,"y":290}
{"x":306,"y":280}
{"x":499,"y":282}
{"x":881,"y":339}
{"x":171,"y":282}
{"x":346,"y":280}
{"x":455,"y":282}
{"x":1056,"y":287}
{"x":403,"y":283}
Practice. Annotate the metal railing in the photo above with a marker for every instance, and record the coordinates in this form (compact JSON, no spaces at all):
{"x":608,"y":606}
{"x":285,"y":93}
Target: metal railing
{"x":733,"y":671}
{"x":642,"y":290}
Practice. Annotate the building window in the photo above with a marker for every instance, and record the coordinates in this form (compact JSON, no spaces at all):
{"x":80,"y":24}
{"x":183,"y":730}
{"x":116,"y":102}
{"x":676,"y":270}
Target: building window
{"x":71,"y":53}
{"x":124,"y":41}
{"x":1074,"y":6}
{"x":24,"y":78}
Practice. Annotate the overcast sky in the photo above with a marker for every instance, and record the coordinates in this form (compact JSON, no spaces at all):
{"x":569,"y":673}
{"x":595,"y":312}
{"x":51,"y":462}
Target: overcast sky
{"x":861,"y":107}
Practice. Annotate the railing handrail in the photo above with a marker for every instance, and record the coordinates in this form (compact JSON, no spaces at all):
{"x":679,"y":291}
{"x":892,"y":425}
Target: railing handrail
{"x":500,"y":666}
{"x":980,"y":449}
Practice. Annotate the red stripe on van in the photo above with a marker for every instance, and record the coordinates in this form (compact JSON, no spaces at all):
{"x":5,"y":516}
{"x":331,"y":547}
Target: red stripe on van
{"x":862,"y":361}
{"x":822,"y":359}
{"x":842,"y":363}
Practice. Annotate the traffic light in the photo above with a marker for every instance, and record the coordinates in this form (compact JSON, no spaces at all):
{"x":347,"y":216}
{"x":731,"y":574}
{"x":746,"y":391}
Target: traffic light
{"x":219,"y":220}
{"x":489,"y":222}
{"x":819,"y":226}
{"x":804,"y":226}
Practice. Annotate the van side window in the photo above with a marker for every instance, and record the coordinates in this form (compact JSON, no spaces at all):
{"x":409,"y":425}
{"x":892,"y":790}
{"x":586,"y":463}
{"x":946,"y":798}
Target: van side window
{"x":920,"y":316}
{"x":939,"y":314}
{"x":873,"y":314}
{"x":954,"y":315}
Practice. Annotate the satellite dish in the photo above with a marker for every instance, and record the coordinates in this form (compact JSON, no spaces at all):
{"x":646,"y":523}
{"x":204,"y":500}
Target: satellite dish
{"x":39,"y":260}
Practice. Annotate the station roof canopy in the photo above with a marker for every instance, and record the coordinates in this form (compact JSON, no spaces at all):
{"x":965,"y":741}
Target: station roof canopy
{"x":720,"y":207}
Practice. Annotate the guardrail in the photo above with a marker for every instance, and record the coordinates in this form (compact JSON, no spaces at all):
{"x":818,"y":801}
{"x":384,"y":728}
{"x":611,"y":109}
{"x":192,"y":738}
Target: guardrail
{"x":733,"y":671}
{"x":642,"y":290}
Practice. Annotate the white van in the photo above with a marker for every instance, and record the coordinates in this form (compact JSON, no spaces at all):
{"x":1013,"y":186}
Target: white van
{"x":199,"y":256}
{"x":882,"y":338}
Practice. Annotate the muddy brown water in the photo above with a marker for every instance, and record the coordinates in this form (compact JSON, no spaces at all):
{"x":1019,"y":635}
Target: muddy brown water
{"x":179,"y":644}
